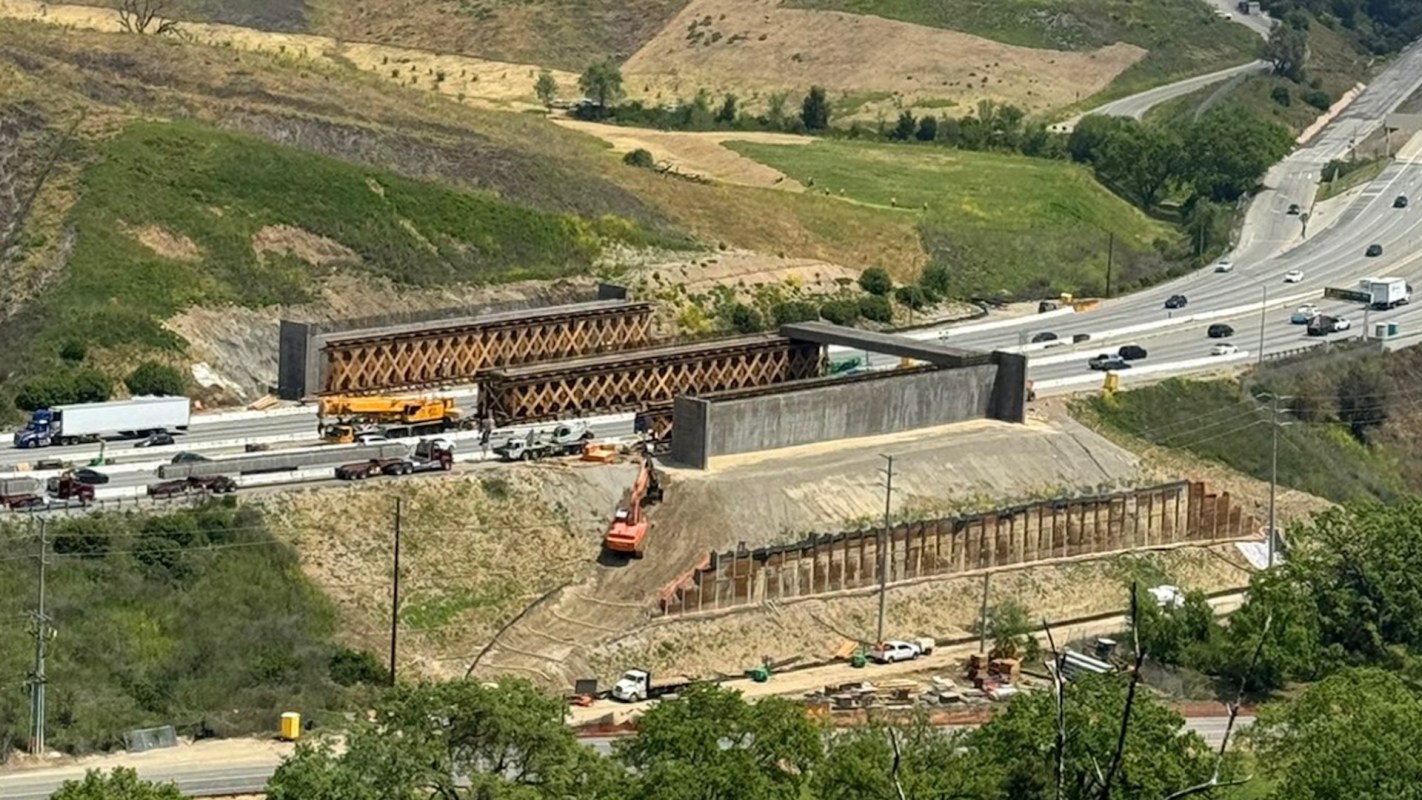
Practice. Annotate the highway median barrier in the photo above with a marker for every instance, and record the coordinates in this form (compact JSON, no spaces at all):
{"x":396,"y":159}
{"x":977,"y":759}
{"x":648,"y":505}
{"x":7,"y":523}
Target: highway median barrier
{"x":1152,"y":369}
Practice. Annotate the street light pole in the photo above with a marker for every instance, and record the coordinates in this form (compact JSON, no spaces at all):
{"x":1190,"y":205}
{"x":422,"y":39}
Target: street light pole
{"x":1263,"y":316}
{"x":883,"y":549}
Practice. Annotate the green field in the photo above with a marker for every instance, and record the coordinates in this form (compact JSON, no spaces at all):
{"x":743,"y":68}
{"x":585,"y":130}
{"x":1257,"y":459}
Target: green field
{"x":1184,"y":37}
{"x":218,"y":190}
{"x":1004,"y":224}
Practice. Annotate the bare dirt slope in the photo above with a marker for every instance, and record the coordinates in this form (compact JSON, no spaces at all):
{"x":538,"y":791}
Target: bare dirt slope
{"x":700,"y":153}
{"x":820,"y":489}
{"x":755,"y":48}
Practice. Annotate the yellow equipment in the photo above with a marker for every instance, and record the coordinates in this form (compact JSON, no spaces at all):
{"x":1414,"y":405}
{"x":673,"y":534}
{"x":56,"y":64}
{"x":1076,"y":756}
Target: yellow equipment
{"x":417,"y":414}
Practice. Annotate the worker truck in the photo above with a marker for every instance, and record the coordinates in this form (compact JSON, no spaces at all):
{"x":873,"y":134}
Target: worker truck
{"x":1388,"y":293}
{"x":394,"y":417}
{"x":90,"y":422}
{"x":637,"y":685}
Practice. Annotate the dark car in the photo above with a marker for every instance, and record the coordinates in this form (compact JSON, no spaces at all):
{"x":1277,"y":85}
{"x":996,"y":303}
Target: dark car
{"x":168,"y":489}
{"x":1132,"y":352}
{"x":189,"y":458}
{"x":1293,"y":209}
{"x":1219,"y":331}
{"x":1373,"y":250}
{"x":1045,"y":336}
{"x":1400,"y":201}
{"x":90,"y":476}
{"x":155,"y":440}
{"x":1176,"y":301}
{"x":1078,"y":338}
{"x":1106,"y":361}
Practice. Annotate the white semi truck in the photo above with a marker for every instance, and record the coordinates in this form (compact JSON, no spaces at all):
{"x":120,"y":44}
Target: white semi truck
{"x":90,"y":422}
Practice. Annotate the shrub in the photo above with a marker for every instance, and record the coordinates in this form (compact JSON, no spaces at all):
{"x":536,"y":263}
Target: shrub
{"x":876,"y":281}
{"x":1319,"y":99}
{"x":73,"y":351}
{"x":349,"y":667}
{"x":640,"y":157}
{"x":911,"y":296}
{"x":792,"y":311}
{"x":840,"y":312}
{"x":57,"y":389}
{"x":876,"y":308}
{"x":153,"y":378}
{"x":744,"y":319}
{"x":1281,"y":95}
{"x":937,"y":279}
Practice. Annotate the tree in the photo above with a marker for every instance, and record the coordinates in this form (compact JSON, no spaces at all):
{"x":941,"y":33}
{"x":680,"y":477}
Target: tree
{"x":62,"y":388}
{"x":73,"y":351}
{"x":136,"y":16}
{"x":1010,"y":629}
{"x":792,"y":311}
{"x":876,"y":308}
{"x":744,"y":319}
{"x":710,"y":742}
{"x":1140,"y":159}
{"x":504,"y":741}
{"x":121,"y":784}
{"x":1362,"y":401}
{"x":1179,"y":634}
{"x":815,"y":111}
{"x":927,"y":129}
{"x":840,"y":312}
{"x":932,"y":763}
{"x":1286,"y":50}
{"x":911,"y":297}
{"x":1089,"y":136}
{"x":602,"y":84}
{"x":937,"y":278}
{"x":876,"y":280}
{"x":152,"y":378}
{"x":727,"y":113}
{"x":1312,"y":745}
{"x":1289,"y":650}
{"x":546,"y":87}
{"x":641,"y":157}
{"x":1228,"y":151}
{"x":904,"y":130}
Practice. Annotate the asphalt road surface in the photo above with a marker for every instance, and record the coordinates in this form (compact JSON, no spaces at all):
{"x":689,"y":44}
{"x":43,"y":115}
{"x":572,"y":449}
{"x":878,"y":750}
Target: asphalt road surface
{"x":250,"y":777}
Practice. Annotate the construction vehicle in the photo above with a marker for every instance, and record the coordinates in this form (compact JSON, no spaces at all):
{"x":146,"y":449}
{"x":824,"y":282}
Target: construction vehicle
{"x":215,"y":484}
{"x":637,"y":685}
{"x":627,"y":535}
{"x":566,"y":439}
{"x":90,"y":422}
{"x":67,"y":487}
{"x":431,"y":455}
{"x":365,"y":469}
{"x":392,"y":416}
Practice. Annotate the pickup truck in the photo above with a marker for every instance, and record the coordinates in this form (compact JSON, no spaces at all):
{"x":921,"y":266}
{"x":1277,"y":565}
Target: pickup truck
{"x":637,"y":685}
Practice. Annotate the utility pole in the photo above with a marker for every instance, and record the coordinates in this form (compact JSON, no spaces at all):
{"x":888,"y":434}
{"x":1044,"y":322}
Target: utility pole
{"x":883,"y":549}
{"x":983,"y":618}
{"x":37,"y":679}
{"x":1273,"y":479}
{"x":395,"y":597}
{"x":1110,"y":256}
{"x":1263,"y":311}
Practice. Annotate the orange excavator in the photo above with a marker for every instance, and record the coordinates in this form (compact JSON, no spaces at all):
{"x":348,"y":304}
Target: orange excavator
{"x":627,"y":535}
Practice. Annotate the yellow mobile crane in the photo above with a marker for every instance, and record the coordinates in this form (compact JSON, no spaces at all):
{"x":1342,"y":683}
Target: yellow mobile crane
{"x":392,"y":416}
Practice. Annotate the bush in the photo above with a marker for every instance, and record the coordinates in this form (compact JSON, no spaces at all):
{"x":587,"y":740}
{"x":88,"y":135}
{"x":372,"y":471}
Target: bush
{"x":640,"y":157}
{"x":349,"y":667}
{"x":876,"y":281}
{"x":792,"y":311}
{"x":1281,"y":95}
{"x":73,"y":351}
{"x":876,"y":308}
{"x":840,"y":312}
{"x":744,"y":319}
{"x":57,"y":389}
{"x":937,"y":279}
{"x":911,"y":296}
{"x":1319,"y":99}
{"x":153,"y":378}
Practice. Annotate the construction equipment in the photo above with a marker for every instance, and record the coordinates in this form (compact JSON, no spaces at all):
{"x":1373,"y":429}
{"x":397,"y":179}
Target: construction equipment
{"x":627,"y":535}
{"x":392,"y":416}
{"x":637,"y":685}
{"x":566,"y":439}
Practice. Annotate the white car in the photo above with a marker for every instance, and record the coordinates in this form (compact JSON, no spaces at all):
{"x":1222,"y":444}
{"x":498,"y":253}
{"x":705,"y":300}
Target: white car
{"x":1303,"y":314}
{"x":1223,"y":349}
{"x":1293,"y":276}
{"x":1341,"y":324}
{"x":1224,"y":265}
{"x":895,"y":650}
{"x":371,"y":437}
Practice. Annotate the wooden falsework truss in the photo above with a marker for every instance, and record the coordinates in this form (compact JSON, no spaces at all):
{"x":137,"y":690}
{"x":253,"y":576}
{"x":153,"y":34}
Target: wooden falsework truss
{"x":638,"y":380}
{"x":445,"y":354}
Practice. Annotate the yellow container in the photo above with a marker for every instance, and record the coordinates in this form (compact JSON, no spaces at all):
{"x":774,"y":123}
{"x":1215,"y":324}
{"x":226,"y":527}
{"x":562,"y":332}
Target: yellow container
{"x":291,"y":726}
{"x":1112,"y":382}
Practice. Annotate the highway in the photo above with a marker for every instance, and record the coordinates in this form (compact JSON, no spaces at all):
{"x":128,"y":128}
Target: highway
{"x":251,"y":774}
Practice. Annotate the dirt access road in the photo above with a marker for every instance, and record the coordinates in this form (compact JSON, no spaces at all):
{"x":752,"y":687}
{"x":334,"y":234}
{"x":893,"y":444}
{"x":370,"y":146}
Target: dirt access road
{"x":700,"y":154}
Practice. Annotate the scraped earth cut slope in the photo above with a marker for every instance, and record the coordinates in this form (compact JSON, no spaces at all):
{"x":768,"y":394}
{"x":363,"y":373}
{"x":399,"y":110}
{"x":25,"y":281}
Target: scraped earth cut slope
{"x":756,"y":47}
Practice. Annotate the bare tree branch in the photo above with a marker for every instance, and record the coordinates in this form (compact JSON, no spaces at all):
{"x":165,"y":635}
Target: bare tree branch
{"x":1234,"y":708}
{"x":898,"y":756}
{"x":1117,"y":757}
{"x":135,"y":16}
{"x":1059,"y":695}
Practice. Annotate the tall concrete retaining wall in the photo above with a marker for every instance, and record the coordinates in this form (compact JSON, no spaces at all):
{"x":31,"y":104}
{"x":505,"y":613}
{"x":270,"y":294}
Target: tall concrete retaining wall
{"x":1161,"y":516}
{"x":845,"y":408}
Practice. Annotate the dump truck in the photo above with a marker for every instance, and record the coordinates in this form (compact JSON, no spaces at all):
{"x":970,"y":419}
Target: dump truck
{"x":67,"y":487}
{"x":637,"y":685}
{"x":395,"y":417}
{"x":90,"y":422}
{"x":627,"y":534}
{"x":1389,"y":293}
{"x":18,"y":486}
{"x":566,"y":439}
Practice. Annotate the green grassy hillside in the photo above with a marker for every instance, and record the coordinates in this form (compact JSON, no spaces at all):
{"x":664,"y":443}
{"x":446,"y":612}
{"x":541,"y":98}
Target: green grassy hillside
{"x":1003,"y":224}
{"x":1184,"y":37}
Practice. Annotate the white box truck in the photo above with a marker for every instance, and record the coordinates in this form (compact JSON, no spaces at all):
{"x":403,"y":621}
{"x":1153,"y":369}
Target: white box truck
{"x":90,"y":422}
{"x":1389,"y":293}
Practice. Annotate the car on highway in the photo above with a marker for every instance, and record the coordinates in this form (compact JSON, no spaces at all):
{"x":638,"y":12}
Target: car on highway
{"x":1400,"y":201}
{"x":168,"y":489}
{"x":1107,"y":361}
{"x":1044,"y":336}
{"x":1223,"y":349}
{"x":1373,"y":251}
{"x":91,"y":477}
{"x":155,"y":439}
{"x":1132,"y":352}
{"x":1078,"y":338}
{"x":1176,"y":301}
{"x":188,"y":458}
{"x":1304,"y":313}
{"x":371,"y":437}
{"x":1323,"y":324}
{"x":895,"y":650}
{"x":1224,"y":265}
{"x":1219,"y":330}
{"x":1293,"y":276}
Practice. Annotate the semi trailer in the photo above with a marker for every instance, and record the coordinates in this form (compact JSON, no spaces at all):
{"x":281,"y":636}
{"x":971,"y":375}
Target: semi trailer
{"x":90,"y":422}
